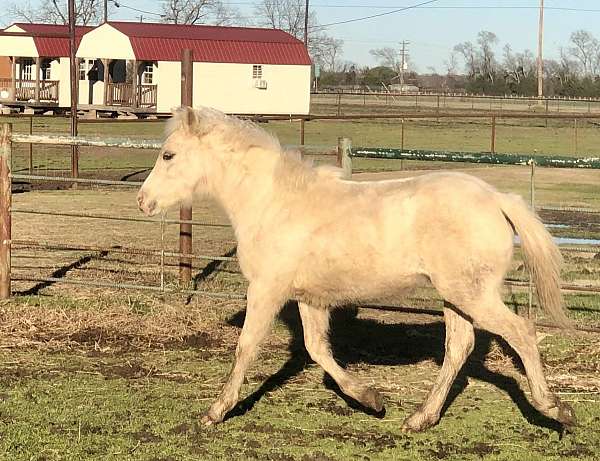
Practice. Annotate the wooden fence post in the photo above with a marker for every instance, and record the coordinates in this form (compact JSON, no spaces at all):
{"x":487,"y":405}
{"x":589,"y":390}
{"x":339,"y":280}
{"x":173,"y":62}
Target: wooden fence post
{"x":343,"y":156}
{"x":493,"y":140}
{"x":5,"y":203}
{"x":302,"y":121}
{"x":185,"y":212}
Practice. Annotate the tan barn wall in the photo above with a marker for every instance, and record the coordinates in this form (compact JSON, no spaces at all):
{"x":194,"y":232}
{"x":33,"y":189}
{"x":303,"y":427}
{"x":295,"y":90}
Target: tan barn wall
{"x":168,"y":79}
{"x":231,"y":88}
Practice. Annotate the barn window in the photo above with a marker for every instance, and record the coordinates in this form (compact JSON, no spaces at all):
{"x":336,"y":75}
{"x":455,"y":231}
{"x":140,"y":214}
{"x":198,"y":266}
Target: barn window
{"x":148,"y":74}
{"x":27,"y":69}
{"x":45,"y":70}
{"x":256,"y":71}
{"x":84,"y":67}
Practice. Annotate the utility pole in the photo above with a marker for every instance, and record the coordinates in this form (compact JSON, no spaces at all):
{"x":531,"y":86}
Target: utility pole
{"x":306,"y":24}
{"x":403,"y":60}
{"x":540,"y":62}
{"x":105,"y":10}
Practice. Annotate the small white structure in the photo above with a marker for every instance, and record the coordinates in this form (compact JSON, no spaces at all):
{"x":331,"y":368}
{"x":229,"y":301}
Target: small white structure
{"x":39,"y":61}
{"x":136,"y":67}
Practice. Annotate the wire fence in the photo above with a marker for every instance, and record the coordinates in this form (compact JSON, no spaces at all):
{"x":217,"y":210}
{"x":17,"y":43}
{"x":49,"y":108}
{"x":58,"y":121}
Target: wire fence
{"x":345,"y":155}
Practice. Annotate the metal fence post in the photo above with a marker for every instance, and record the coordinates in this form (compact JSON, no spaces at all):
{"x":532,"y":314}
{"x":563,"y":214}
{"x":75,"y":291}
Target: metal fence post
{"x":185,"y":212}
{"x":532,"y":198}
{"x":493,"y":140}
{"x":5,"y":204}
{"x":31,"y":146}
{"x":343,"y":156}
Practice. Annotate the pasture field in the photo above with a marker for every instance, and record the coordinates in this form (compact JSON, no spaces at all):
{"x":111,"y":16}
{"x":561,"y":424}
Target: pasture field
{"x":327,"y":103}
{"x":98,"y":373}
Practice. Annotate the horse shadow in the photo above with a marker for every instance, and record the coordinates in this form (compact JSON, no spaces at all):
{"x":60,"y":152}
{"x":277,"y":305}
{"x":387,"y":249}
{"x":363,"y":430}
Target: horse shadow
{"x":359,"y":340}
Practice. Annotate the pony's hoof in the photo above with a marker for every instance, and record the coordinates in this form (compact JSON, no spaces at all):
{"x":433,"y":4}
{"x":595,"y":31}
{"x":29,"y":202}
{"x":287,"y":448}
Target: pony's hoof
{"x":566,"y":416}
{"x":210,"y":420}
{"x":418,"y":422}
{"x":372,"y":399}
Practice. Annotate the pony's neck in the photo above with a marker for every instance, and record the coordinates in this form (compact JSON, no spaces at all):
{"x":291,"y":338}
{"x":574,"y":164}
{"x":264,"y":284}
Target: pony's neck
{"x":245,"y":186}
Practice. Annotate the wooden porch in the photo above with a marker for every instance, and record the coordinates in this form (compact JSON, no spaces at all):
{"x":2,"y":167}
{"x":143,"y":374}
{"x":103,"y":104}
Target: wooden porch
{"x":130,"y":95}
{"x":28,"y":90}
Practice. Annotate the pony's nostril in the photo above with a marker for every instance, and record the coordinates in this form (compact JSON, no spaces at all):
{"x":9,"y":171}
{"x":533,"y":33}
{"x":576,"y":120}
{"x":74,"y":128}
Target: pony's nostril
{"x":140,"y":199}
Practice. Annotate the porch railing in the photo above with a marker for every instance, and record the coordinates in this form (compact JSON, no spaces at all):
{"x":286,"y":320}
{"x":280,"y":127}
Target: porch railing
{"x":25,"y":89}
{"x":121,"y":94}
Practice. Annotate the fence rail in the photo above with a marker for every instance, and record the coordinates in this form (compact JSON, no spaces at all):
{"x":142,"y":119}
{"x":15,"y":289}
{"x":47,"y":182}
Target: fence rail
{"x":344,"y":157}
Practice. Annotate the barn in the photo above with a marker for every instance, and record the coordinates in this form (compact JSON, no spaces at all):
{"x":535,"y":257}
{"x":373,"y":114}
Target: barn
{"x":37,"y":56}
{"x":136,"y":67}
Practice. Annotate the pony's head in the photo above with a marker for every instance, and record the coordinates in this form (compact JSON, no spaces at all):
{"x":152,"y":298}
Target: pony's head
{"x":199,"y":146}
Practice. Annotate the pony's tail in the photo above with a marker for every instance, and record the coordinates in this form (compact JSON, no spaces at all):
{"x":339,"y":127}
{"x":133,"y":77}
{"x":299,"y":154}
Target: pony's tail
{"x":542,"y":256}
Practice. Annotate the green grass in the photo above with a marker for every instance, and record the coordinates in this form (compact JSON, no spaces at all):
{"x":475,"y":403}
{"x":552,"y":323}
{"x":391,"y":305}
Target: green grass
{"x":95,"y":402}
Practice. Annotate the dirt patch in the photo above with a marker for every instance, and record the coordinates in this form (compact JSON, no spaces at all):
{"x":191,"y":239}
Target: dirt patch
{"x":183,"y":428}
{"x":373,"y":442}
{"x":129,"y":370}
{"x":146,"y":436}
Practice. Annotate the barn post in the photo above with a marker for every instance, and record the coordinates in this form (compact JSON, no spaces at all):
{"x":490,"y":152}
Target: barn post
{"x":13,"y":79}
{"x":5,"y":203}
{"x":36,"y":91}
{"x":185,"y":212}
{"x":105,"y":78}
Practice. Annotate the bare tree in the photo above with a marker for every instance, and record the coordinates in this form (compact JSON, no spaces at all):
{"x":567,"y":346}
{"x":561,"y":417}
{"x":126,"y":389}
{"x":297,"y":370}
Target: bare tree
{"x":390,"y":57}
{"x":199,"y":12}
{"x":451,"y":64}
{"x":328,"y":52}
{"x":55,"y":12}
{"x":469,"y":54}
{"x":486,"y":41}
{"x":288,"y":15}
{"x":585,"y":49}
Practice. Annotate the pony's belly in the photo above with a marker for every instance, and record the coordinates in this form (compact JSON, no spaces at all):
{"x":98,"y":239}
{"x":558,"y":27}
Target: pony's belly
{"x":331,"y":291}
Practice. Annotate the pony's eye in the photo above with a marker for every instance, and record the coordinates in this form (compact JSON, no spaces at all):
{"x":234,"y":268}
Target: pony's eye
{"x":168,"y":156}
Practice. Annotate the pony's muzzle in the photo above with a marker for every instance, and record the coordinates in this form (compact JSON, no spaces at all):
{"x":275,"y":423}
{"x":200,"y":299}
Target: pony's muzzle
{"x":148,"y":207}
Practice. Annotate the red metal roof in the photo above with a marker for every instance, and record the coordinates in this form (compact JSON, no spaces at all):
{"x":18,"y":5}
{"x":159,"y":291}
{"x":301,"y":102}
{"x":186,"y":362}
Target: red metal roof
{"x":51,"y":40}
{"x":164,"y":42}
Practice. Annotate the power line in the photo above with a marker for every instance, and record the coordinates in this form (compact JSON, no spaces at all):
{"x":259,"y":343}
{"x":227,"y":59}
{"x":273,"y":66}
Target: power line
{"x":122,"y":5}
{"x":364,"y":18}
{"x":448,"y":7}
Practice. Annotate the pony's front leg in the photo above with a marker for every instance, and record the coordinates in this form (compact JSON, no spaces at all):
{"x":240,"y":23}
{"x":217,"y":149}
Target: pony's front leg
{"x":261,"y":309}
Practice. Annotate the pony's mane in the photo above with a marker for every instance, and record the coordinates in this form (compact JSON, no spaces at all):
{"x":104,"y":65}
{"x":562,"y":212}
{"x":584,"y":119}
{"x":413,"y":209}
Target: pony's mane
{"x":241,"y":134}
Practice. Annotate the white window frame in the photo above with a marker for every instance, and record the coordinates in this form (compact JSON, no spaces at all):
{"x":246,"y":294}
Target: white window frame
{"x":84,"y":67}
{"x":148,"y":74}
{"x":46,"y":70}
{"x":257,"y":71}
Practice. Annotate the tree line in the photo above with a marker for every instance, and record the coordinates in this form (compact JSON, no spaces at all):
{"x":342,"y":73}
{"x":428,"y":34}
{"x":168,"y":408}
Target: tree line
{"x":476,"y":66}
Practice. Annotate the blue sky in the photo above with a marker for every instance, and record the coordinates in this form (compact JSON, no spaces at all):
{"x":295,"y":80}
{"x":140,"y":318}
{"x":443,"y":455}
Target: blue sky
{"x":432,"y":30}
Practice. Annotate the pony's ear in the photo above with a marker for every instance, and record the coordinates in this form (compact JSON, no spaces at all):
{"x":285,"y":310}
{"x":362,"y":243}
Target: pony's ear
{"x":187,"y":117}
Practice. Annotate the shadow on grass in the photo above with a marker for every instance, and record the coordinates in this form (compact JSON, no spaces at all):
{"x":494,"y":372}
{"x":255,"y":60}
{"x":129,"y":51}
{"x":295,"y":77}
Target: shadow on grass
{"x":62,"y":272}
{"x":356,"y":340}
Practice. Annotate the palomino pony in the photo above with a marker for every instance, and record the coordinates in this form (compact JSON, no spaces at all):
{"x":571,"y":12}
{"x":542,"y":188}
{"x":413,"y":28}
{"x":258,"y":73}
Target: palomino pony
{"x":306,"y":234}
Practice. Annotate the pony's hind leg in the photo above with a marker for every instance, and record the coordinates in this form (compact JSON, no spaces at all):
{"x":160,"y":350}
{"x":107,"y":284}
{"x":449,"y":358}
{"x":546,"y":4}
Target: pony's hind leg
{"x":315,"y":322}
{"x":262,"y":307}
{"x":460,"y":339}
{"x":491,"y":314}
